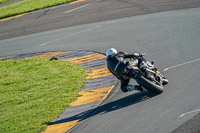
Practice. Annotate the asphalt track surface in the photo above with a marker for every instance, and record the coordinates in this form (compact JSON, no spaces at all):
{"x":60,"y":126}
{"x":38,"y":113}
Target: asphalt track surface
{"x":90,"y":11}
{"x":170,"y":38}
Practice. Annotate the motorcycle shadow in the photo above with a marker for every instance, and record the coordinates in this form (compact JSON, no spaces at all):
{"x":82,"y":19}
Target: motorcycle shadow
{"x":109,"y":107}
{"x":125,"y":102}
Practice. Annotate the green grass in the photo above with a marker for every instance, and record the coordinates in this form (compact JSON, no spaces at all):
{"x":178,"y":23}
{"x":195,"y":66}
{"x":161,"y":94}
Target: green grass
{"x":3,"y":1}
{"x":33,"y":92}
{"x":27,"y":6}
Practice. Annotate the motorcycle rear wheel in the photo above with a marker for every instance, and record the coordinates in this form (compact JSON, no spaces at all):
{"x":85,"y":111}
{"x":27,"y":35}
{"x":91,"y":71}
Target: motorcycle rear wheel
{"x":149,"y":85}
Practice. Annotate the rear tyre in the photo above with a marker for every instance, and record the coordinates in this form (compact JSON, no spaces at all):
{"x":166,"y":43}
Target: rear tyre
{"x":148,"y":85}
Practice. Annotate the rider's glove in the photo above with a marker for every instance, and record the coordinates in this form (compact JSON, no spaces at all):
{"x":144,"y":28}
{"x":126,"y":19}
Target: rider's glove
{"x":136,"y":54}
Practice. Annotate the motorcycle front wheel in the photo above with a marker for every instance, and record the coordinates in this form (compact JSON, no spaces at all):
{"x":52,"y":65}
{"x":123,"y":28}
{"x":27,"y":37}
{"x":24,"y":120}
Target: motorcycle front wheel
{"x":149,"y":85}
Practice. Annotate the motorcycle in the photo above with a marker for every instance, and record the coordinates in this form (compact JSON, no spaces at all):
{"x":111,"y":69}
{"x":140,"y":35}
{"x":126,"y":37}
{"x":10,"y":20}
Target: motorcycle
{"x":147,"y":76}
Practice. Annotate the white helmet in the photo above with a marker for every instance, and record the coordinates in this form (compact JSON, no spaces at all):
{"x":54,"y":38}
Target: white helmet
{"x":111,"y":51}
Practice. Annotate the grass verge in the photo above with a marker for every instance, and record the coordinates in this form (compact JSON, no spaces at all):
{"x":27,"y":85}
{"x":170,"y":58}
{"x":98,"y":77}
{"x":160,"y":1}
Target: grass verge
{"x":33,"y":92}
{"x":3,"y":1}
{"x":27,"y":6}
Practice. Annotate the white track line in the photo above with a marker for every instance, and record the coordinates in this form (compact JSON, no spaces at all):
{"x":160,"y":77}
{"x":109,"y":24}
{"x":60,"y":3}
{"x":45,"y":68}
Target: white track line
{"x":198,"y":110}
{"x":3,"y":33}
{"x":70,"y":35}
{"x":79,"y":7}
{"x":181,"y":64}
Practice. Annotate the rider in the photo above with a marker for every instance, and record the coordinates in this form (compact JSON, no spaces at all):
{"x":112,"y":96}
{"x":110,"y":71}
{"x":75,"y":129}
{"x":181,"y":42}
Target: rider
{"x":123,"y":69}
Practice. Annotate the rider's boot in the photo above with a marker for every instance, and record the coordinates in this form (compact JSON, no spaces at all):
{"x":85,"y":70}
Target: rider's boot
{"x":134,"y":87}
{"x":139,"y":88}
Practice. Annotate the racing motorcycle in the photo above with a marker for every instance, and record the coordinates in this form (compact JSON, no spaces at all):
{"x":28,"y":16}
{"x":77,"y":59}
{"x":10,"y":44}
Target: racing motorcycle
{"x":148,"y":77}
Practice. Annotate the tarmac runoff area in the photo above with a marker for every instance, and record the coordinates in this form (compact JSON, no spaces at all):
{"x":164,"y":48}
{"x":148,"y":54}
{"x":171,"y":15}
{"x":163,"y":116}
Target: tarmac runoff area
{"x":99,"y":84}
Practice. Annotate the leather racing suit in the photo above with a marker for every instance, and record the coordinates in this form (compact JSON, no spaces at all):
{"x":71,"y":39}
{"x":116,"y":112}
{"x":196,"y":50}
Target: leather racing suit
{"x":118,"y":64}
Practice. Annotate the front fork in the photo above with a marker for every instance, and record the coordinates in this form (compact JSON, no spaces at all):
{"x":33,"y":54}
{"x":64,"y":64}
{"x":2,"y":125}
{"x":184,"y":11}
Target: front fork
{"x":155,"y":76}
{"x":160,"y":77}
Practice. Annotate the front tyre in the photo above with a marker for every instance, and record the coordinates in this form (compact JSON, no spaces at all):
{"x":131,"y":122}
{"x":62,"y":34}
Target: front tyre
{"x":148,"y":85}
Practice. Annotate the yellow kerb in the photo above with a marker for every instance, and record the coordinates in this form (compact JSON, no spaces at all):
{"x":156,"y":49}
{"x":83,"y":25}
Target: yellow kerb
{"x":87,"y":58}
{"x":1,"y":58}
{"x":49,"y":54}
{"x":92,"y":96}
{"x":60,"y":128}
{"x":99,"y":72}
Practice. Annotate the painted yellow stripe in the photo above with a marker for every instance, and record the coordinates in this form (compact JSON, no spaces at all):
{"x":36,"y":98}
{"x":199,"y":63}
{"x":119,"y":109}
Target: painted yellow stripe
{"x":1,"y":58}
{"x":5,"y":19}
{"x":49,"y":54}
{"x":99,"y":72}
{"x":92,"y":96}
{"x":60,"y":128}
{"x":77,"y":1}
{"x":87,"y":58}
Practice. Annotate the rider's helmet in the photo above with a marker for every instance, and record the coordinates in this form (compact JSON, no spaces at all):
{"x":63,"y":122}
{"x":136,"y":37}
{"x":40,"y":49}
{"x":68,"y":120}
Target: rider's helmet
{"x":111,"y":51}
